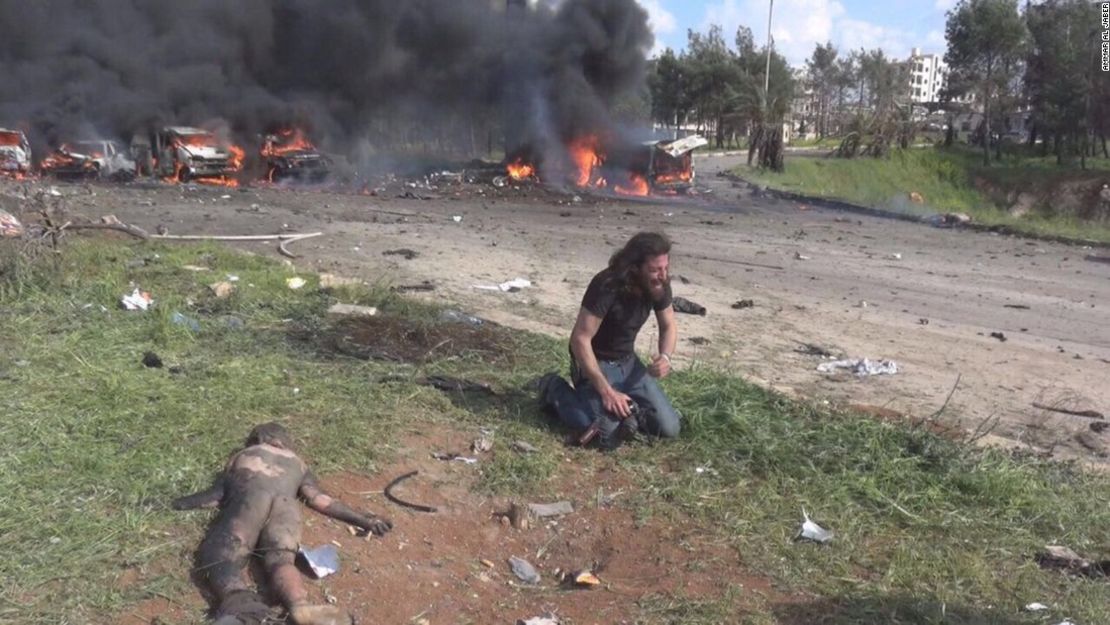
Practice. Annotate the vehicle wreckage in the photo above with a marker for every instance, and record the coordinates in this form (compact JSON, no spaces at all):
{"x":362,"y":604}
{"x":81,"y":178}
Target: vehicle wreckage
{"x":15,"y":153}
{"x":288,"y":154}
{"x":183,"y":153}
{"x":97,"y":158}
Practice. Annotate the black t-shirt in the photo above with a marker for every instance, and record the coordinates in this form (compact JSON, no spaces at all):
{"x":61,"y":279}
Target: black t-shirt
{"x":622,"y":315}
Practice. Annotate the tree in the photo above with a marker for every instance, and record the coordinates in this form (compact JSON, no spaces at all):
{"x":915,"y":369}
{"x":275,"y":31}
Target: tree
{"x":986,"y":43}
{"x":667,"y":82}
{"x":821,"y":68}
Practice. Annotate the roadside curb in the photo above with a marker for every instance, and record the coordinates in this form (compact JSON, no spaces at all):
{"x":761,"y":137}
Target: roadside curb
{"x":848,"y":207}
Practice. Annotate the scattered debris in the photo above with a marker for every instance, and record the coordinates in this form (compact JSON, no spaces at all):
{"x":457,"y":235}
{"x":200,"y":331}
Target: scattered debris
{"x":1093,"y":442}
{"x":544,"y":510}
{"x":323,"y":560}
{"x":455,"y":316}
{"x":351,"y":310}
{"x":195,"y":268}
{"x":295,"y":283}
{"x":809,"y":349}
{"x":1090,"y":414}
{"x":812,"y":531}
{"x":742,"y":304}
{"x":181,"y":320}
{"x":137,"y":300}
{"x":1060,"y":557}
{"x":895,"y":256}
{"x":540,"y":620}
{"x":456,"y":218}
{"x":512,"y":286}
{"x":481,"y":445}
{"x":439,"y":455}
{"x":860,"y":366}
{"x":10,"y":228}
{"x":1098,"y":259}
{"x":331,"y":281}
{"x":517,"y":516}
{"x":404,"y":252}
{"x":698,"y":340}
{"x":222,"y":289}
{"x":524,"y":571}
{"x":916,"y":197}
{"x":152,"y":361}
{"x":400,"y":502}
{"x":800,"y":256}
{"x":948,"y":220}
{"x":1034,"y":607}
{"x":586,"y":578}
{"x":683,"y":305}
{"x":408,"y":288}
{"x":1016,"y":306}
{"x":922,"y":321}
{"x":448,"y":383}
{"x":998,"y":335}
{"x":1098,"y":427}
{"x":524,"y":447}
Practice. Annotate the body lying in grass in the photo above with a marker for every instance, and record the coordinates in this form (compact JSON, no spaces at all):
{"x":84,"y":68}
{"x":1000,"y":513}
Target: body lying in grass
{"x":258,"y":511}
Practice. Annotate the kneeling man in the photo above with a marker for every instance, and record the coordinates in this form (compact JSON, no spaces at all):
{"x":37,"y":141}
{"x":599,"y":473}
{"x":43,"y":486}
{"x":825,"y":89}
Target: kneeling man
{"x":613,"y":392}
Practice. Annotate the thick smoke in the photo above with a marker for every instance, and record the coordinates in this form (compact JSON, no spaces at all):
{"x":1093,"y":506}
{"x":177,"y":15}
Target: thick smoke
{"x":362,"y":74}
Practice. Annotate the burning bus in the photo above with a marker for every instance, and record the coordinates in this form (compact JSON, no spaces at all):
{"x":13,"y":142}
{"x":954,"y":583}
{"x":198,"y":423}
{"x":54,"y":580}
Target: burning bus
{"x":288,"y":154}
{"x":97,"y":158}
{"x":184,"y":154}
{"x":15,"y":153}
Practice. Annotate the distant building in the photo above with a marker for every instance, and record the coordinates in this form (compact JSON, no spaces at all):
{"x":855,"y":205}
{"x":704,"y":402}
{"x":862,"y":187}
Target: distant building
{"x":928,"y":76}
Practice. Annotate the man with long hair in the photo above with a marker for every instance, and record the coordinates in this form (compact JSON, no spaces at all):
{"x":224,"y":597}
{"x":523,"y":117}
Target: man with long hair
{"x":613,"y":393}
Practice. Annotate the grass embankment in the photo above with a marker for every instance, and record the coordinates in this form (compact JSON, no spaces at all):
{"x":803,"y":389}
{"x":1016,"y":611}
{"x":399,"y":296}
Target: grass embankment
{"x":946,"y":179}
{"x":92,"y":445}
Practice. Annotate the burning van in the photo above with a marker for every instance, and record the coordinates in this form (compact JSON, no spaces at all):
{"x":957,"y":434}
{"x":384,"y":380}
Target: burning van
{"x":671,"y":163}
{"x":15,"y":153}
{"x":288,"y":154}
{"x":98,"y":158}
{"x":185,"y":154}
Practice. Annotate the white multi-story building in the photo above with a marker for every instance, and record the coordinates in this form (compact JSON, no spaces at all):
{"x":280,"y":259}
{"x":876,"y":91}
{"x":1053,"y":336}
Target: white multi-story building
{"x":928,"y":76}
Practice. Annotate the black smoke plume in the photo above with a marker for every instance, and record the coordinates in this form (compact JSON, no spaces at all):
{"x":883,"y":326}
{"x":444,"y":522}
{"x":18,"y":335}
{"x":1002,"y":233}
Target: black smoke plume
{"x":363,"y":75}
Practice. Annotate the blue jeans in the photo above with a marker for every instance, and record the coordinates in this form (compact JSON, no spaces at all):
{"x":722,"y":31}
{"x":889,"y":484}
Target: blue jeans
{"x":579,"y":406}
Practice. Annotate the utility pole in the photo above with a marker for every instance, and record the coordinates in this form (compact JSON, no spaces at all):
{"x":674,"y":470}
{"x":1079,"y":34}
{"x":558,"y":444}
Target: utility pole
{"x":767,"y":69}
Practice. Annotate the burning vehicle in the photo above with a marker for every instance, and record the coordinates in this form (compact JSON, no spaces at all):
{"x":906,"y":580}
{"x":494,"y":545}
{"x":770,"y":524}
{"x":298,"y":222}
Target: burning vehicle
{"x":15,"y":153}
{"x":288,"y":154}
{"x":184,"y":154}
{"x":98,"y":158}
{"x":637,"y":169}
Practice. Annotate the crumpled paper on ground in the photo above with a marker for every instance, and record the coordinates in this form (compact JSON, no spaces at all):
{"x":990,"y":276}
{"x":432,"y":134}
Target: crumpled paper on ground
{"x":860,"y":366}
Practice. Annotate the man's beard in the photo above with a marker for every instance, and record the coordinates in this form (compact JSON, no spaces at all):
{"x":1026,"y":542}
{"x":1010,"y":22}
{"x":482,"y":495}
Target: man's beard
{"x":654,"y":293}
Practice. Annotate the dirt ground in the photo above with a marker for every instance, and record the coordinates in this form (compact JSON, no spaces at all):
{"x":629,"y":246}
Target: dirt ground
{"x":925,"y":297}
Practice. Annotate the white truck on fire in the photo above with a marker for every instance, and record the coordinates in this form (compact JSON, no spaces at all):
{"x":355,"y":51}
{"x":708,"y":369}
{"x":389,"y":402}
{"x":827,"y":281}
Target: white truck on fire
{"x":186,"y":153}
{"x":95,"y":158}
{"x":15,"y":153}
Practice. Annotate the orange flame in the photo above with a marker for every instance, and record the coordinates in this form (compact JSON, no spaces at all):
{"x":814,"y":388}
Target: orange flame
{"x":586,"y":155}
{"x":286,"y":141}
{"x":519,"y":170}
{"x":637,"y":185}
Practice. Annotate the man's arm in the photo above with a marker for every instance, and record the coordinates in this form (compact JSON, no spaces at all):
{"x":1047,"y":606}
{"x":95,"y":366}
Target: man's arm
{"x":668,"y":340}
{"x":323,"y":503}
{"x":581,"y":345}
{"x":209,"y":498}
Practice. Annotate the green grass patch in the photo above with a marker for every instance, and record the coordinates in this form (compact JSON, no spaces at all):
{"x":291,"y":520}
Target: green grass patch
{"x":93,"y":445}
{"x":950,"y":180}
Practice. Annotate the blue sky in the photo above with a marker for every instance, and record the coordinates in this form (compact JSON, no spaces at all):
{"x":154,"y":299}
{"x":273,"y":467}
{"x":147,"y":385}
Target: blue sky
{"x":896,"y":26}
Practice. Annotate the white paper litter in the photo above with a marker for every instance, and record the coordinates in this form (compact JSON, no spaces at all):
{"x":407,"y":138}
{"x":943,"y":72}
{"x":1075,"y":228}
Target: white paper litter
{"x":295,"y":283}
{"x":1035,"y":607}
{"x":138,"y":300}
{"x":323,"y":560}
{"x":813,"y":531}
{"x":505,"y":287}
{"x":860,"y":366}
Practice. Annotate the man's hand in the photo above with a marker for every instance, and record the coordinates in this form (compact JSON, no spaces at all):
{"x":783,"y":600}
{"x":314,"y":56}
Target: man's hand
{"x":377,"y":525}
{"x":616,"y":403}
{"x":660,"y":366}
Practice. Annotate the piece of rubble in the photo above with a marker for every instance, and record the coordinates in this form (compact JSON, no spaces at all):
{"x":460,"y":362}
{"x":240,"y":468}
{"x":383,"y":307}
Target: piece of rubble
{"x":800,"y":256}
{"x":524,"y":570}
{"x":544,"y":510}
{"x":222,"y":289}
{"x":351,"y":310}
{"x":295,"y":283}
{"x":323,"y":560}
{"x":698,"y":340}
{"x":332,"y":281}
{"x":812,"y":531}
{"x":1034,"y":607}
{"x":137,"y":300}
{"x":1093,"y":442}
{"x":587,"y":578}
{"x":1063,"y":558}
{"x":481,"y":445}
{"x":683,"y":305}
{"x":403,"y":252}
{"x":524,"y":447}
{"x":540,"y":620}
{"x":742,"y":304}
{"x":152,"y":361}
{"x":860,"y":366}
{"x":511,"y":286}
{"x":10,"y":228}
